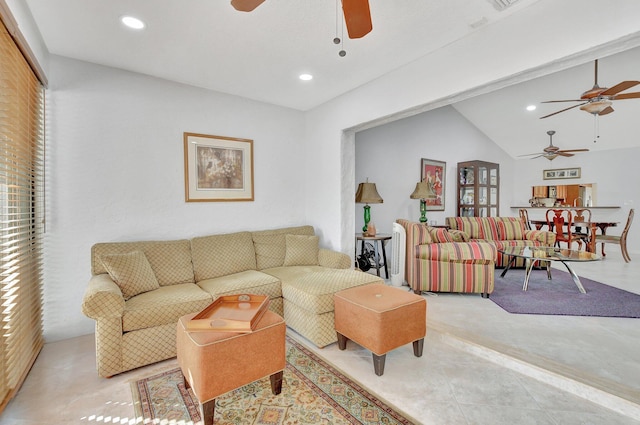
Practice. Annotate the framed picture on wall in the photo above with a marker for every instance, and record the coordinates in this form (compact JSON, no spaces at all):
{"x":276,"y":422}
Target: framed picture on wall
{"x":433,"y":172}
{"x":217,"y":168}
{"x":561,"y":173}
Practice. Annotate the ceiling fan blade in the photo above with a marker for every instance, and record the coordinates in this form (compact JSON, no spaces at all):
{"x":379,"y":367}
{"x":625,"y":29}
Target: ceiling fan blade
{"x":568,"y":100}
{"x":357,"y":17}
{"x":564,"y":153}
{"x":565,"y":109}
{"x":635,"y":95}
{"x":606,"y":111}
{"x":619,"y":87}
{"x":245,"y":5}
{"x":529,"y":154}
{"x":574,"y":150}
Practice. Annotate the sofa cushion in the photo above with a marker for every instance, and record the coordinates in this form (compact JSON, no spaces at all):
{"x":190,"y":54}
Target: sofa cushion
{"x":222,"y":255}
{"x":270,"y":245}
{"x":475,"y":227}
{"x":170,"y":260}
{"x":312,"y":287}
{"x":440,"y":235}
{"x":510,"y":228}
{"x":131,"y":272}
{"x":247,"y":282}
{"x":270,"y":250}
{"x":163,"y":306}
{"x":301,"y":250}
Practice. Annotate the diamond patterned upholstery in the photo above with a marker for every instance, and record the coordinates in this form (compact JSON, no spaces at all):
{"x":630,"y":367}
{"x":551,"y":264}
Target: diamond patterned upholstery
{"x":170,"y":260}
{"x":308,"y":298}
{"x":193,"y":273}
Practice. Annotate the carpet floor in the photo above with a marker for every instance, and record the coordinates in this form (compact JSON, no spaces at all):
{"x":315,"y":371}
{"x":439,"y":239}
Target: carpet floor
{"x":313,"y":392}
{"x":560,"y":296}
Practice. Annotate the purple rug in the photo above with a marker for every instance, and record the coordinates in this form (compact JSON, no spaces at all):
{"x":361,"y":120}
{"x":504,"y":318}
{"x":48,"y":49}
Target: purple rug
{"x":560,"y":296}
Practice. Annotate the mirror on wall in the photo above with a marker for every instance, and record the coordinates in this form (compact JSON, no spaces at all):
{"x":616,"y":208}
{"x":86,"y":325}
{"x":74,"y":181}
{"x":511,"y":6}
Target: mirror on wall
{"x":579,"y":195}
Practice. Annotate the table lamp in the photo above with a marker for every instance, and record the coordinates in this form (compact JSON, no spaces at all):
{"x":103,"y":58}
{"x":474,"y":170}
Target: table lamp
{"x":367,"y":194}
{"x":423,"y":191}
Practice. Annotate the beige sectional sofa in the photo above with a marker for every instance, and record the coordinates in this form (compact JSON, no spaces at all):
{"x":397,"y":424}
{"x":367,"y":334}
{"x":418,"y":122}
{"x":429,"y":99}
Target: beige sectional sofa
{"x":138,"y":290}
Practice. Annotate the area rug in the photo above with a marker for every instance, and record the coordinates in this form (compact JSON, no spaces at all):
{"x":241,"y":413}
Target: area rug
{"x":560,"y":296}
{"x":313,"y":392}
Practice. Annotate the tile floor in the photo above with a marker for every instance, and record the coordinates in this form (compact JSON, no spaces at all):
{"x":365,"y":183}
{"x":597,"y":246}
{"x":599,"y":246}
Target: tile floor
{"x":481,"y":365}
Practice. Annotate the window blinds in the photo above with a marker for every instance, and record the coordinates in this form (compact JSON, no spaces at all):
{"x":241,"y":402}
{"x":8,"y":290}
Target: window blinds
{"x":21,"y":216}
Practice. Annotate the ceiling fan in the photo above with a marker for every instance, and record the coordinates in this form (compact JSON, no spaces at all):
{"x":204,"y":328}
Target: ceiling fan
{"x":357,"y":15}
{"x":551,"y":152}
{"x":598,"y":100}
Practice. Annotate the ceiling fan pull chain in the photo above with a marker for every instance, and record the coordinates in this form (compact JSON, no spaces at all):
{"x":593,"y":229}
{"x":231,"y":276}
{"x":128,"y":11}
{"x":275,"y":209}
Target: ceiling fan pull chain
{"x":339,"y":21}
{"x":596,"y":128}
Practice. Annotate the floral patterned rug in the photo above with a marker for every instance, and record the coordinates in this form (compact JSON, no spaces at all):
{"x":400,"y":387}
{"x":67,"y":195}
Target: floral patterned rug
{"x":313,"y":392}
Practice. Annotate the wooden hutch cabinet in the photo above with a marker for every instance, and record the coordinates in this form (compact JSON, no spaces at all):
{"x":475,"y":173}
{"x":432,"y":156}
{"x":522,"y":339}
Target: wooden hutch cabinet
{"x":478,"y":189}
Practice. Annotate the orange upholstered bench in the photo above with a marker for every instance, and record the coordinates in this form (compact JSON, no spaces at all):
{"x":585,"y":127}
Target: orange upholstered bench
{"x":214,"y":363}
{"x":380,"y":318}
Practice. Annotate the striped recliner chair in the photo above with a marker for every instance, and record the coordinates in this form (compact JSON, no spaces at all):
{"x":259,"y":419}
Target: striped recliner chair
{"x":438,"y":261}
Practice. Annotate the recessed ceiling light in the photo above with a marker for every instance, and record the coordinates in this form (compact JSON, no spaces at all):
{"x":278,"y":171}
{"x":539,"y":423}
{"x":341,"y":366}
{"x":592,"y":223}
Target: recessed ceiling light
{"x":531,"y":108}
{"x":306,"y":77}
{"x":132,"y":22}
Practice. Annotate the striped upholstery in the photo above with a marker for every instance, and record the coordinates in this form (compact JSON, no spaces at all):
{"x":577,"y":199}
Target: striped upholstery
{"x":449,"y":266}
{"x":501,"y":231}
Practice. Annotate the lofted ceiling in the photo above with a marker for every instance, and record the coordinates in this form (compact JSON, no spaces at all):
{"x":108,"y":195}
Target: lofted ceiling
{"x":502,"y":114}
{"x":259,"y":55}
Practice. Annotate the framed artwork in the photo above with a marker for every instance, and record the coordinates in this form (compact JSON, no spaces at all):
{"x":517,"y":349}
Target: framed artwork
{"x":434,"y":172}
{"x":561,"y":173}
{"x":217,"y":168}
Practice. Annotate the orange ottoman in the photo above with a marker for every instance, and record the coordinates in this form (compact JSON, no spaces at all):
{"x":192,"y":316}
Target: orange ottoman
{"x":214,"y":363}
{"x":380,"y":318}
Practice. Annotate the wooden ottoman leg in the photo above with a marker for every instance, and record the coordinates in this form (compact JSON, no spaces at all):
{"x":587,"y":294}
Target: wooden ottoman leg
{"x":342,"y":341}
{"x":378,"y":363}
{"x":276,"y":382}
{"x":206,"y":412}
{"x":417,"y":347}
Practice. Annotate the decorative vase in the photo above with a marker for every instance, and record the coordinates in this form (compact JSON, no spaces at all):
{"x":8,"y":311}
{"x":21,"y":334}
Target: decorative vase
{"x":371,"y":229}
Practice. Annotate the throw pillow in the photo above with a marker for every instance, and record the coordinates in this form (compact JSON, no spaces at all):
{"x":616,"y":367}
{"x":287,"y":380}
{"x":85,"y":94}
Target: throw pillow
{"x":301,"y":250}
{"x":270,"y":250}
{"x":511,"y":230}
{"x":131,"y":272}
{"x":440,"y":235}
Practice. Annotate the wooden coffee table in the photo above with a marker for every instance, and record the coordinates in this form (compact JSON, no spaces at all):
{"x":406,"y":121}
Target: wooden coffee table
{"x":536,"y":255}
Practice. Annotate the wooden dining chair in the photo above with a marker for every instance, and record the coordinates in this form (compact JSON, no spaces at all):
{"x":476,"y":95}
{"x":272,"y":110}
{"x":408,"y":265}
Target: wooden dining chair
{"x":620,"y":240}
{"x":561,"y":221}
{"x":524,"y":216}
{"x":582,"y":215}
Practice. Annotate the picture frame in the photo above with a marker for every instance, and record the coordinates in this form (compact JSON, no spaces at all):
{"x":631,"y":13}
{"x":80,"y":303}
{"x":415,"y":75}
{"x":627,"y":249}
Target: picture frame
{"x":561,"y":173}
{"x":217,"y":168}
{"x":434,"y":173}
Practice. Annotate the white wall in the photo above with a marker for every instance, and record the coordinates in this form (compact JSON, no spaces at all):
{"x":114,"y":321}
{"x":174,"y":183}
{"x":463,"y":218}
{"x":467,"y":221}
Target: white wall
{"x":390,"y":156}
{"x":115,"y":149}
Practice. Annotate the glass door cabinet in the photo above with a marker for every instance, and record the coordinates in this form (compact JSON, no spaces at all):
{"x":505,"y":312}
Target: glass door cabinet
{"x":478,"y":189}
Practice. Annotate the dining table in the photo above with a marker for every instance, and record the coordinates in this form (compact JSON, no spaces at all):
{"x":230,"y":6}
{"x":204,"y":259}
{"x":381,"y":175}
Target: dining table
{"x":593,"y":225}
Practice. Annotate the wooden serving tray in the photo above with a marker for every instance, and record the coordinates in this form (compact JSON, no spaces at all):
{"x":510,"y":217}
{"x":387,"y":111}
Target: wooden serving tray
{"x":231,"y":313}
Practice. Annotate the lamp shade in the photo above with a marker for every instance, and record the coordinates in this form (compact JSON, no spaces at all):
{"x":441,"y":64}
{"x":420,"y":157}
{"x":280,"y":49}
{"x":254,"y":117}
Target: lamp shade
{"x":368,"y":194}
{"x":423,"y":190}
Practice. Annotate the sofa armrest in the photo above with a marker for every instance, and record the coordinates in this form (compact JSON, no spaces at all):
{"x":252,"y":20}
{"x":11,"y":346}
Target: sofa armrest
{"x":542,"y":236}
{"x":476,"y":252}
{"x":333,"y":259}
{"x":103,"y":298}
